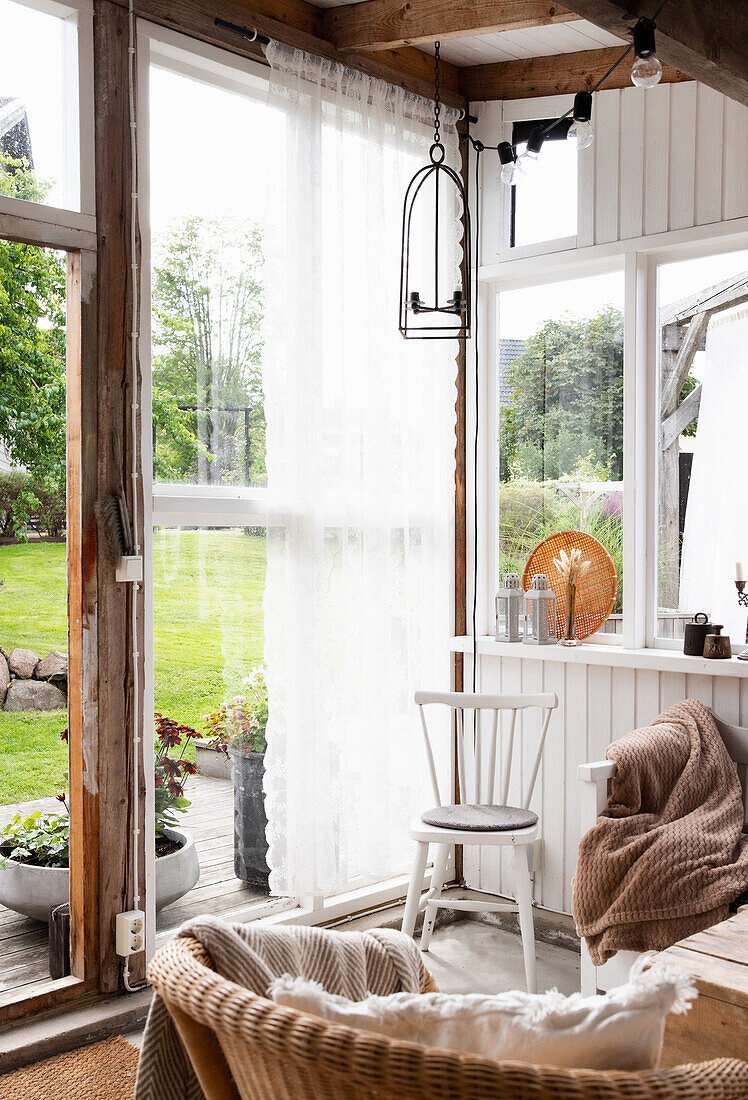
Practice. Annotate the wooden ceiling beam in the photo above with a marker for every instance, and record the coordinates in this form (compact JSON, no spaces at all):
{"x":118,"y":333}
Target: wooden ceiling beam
{"x":559,"y":74}
{"x":300,"y":25}
{"x":389,"y":24}
{"x":707,"y":39}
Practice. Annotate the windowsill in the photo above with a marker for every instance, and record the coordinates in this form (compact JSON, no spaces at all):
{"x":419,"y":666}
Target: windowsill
{"x":663,"y":660}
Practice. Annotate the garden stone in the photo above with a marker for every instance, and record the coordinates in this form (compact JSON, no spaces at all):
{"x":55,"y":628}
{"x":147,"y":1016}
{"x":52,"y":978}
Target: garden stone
{"x":34,"y":695}
{"x":22,"y":663}
{"x":53,"y":664}
{"x":60,"y":680}
{"x":4,"y":677}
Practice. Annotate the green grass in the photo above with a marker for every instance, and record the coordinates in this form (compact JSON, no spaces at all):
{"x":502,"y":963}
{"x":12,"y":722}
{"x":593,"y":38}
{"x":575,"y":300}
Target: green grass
{"x":208,"y":589}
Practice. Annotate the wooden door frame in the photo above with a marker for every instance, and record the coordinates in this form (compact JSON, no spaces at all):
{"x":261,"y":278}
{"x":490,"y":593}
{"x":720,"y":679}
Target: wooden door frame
{"x":82,"y":607}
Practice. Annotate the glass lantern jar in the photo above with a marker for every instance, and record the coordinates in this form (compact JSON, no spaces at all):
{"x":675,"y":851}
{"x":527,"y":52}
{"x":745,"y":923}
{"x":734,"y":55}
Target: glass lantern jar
{"x":540,"y":613}
{"x":509,"y":600}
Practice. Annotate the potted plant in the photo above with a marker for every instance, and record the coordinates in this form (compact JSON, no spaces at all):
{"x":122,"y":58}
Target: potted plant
{"x":34,"y":857}
{"x":241,"y":725}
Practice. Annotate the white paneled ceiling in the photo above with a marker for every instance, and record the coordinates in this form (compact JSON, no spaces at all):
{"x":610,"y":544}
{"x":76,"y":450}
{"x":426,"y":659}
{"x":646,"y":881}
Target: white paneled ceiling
{"x":532,"y":42}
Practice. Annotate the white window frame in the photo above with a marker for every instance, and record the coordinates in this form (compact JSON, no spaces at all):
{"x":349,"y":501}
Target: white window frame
{"x":78,"y":216}
{"x":639,"y":258}
{"x":496,"y":123}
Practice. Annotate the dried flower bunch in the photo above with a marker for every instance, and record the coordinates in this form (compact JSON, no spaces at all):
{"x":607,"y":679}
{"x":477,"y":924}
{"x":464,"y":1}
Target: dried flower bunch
{"x":571,"y":567}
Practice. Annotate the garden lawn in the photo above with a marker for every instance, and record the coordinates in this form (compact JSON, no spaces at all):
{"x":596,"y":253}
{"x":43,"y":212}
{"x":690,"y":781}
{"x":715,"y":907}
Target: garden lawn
{"x":208,"y":634}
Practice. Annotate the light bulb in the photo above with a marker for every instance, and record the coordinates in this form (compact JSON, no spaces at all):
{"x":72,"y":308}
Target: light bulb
{"x":581,"y":133}
{"x":646,"y":72}
{"x":509,"y":173}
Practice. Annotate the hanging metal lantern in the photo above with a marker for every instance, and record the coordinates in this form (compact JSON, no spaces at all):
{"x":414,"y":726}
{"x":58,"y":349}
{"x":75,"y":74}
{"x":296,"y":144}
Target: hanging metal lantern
{"x":417,"y":313}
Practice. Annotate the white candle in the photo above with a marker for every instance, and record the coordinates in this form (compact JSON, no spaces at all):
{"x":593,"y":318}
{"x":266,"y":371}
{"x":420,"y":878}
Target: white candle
{"x":739,"y":571}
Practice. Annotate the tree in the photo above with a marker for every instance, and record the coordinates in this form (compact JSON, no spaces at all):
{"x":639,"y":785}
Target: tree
{"x":207,"y":309}
{"x":566,"y":405}
{"x":32,"y":350}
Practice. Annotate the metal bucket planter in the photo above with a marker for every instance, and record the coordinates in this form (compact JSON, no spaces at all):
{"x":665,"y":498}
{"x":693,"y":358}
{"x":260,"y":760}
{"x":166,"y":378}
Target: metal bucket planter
{"x":33,"y":891}
{"x":250,"y":822}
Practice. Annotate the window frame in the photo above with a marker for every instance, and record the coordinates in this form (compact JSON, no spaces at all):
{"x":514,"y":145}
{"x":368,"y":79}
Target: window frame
{"x":74,"y":232}
{"x":518,"y":128}
{"x":639,"y":258}
{"x":77,"y":16}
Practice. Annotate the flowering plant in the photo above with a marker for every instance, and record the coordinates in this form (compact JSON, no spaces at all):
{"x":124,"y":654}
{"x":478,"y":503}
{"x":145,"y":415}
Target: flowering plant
{"x":42,"y":839}
{"x":241,"y":723}
{"x":171,"y":771}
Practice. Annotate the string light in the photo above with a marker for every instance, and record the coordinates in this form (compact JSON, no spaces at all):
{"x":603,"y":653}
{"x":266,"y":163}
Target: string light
{"x":508,"y":161}
{"x":580,"y":131}
{"x":646,"y":72}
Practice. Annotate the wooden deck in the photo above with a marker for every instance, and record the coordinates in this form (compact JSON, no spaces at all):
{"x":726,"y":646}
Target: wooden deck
{"x":210,"y":819}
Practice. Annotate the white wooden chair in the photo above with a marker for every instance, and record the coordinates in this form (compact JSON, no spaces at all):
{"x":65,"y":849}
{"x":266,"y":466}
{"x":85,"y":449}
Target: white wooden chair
{"x":595,"y":779}
{"x":477,"y":819}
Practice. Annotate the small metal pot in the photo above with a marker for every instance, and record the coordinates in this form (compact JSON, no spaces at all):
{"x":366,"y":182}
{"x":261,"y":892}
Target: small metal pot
{"x":695,"y":634}
{"x":717,"y":646}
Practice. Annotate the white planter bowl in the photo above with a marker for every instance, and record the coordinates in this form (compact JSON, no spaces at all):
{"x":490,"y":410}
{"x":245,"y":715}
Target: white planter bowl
{"x":33,"y":891}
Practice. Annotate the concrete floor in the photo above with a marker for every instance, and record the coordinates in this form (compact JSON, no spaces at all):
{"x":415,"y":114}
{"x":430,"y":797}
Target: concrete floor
{"x":470,"y":956}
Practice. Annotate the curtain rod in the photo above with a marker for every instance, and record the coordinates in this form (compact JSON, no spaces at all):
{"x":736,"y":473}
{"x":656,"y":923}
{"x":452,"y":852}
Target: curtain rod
{"x":251,"y":35}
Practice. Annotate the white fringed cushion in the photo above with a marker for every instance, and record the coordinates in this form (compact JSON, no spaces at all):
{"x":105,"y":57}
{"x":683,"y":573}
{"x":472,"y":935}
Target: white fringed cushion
{"x":621,"y":1030}
{"x":473,"y":818}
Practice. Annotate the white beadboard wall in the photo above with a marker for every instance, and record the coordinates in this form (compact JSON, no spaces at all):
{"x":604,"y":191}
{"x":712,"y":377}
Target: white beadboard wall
{"x":597,"y":704}
{"x":669,"y":158}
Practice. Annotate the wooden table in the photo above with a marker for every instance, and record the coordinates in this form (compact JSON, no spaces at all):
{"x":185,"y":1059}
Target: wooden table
{"x":717,"y":1024}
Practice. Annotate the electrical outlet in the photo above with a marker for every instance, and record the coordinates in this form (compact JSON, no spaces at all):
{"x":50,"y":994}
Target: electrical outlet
{"x":130,"y":933}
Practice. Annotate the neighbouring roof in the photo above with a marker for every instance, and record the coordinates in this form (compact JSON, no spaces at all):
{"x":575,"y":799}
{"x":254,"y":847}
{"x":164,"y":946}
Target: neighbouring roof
{"x":509,"y":350}
{"x":15,"y":138}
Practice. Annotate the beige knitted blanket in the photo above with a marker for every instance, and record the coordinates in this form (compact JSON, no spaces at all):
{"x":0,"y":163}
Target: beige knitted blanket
{"x":352,"y":964}
{"x":666,"y":858}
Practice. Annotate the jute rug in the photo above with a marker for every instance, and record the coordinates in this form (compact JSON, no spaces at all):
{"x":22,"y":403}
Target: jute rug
{"x":104,"y":1071}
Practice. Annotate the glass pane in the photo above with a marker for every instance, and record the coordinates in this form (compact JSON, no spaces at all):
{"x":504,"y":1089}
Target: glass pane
{"x":561,"y":419}
{"x":545,"y":194}
{"x":208,"y":647}
{"x":207,"y":282}
{"x":703,"y":385}
{"x":33,"y":603}
{"x":39,"y":147}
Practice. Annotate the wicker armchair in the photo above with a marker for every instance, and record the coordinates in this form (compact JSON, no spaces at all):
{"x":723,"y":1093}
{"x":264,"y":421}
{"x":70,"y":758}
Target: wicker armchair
{"x":244,"y":1047}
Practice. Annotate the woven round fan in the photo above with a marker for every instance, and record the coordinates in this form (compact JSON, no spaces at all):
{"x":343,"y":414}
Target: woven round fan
{"x":596,"y":591}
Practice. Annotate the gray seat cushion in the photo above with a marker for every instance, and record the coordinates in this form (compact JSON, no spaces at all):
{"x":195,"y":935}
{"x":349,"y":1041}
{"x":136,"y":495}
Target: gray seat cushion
{"x":490,"y":819}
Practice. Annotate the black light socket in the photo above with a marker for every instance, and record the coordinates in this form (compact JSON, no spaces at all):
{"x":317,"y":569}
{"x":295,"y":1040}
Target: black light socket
{"x":644,"y":37}
{"x":507,"y":154}
{"x":535,"y":141}
{"x":582,"y":107}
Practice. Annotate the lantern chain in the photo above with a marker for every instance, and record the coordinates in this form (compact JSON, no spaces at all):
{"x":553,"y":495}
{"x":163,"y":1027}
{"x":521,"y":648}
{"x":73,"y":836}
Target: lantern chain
{"x":437,"y":97}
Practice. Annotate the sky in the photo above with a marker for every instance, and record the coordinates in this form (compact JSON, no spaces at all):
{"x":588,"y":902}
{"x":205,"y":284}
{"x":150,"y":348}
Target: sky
{"x":186,"y":118}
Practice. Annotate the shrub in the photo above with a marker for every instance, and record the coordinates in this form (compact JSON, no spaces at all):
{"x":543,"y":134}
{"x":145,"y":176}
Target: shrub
{"x":531,"y":511}
{"x":24,"y":499}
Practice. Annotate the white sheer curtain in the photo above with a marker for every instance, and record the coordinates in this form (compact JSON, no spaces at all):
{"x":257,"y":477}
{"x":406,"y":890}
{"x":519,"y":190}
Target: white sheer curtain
{"x":360,"y":458}
{"x":715,"y":535}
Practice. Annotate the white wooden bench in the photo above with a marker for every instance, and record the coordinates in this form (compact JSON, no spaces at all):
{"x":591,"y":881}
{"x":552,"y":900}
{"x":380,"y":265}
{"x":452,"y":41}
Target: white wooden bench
{"x":595,"y":779}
